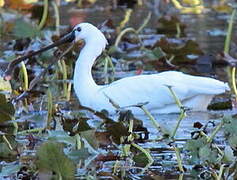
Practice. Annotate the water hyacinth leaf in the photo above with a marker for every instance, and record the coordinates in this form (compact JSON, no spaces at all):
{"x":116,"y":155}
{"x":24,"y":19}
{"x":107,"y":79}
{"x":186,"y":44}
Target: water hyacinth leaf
{"x":154,"y":54}
{"x":51,"y":157}
{"x":24,"y":29}
{"x":206,"y":153}
{"x":230,"y":126}
{"x":62,"y":137}
{"x":233,"y":141}
{"x":141,"y":159}
{"x":117,"y":130}
{"x":8,"y":150}
{"x":78,"y":155}
{"x":90,"y":138}
{"x":6,"y":109}
{"x":9,"y":170}
{"x":228,"y":155}
{"x":193,"y":146}
{"x":5,"y":85}
{"x":168,"y":25}
{"x":180,"y":51}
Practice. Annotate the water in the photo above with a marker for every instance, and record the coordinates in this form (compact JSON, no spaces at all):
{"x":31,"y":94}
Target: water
{"x":207,"y":29}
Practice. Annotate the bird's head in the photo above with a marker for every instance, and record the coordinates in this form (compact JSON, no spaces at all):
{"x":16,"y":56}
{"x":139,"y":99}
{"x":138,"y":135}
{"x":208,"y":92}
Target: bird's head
{"x":89,"y":33}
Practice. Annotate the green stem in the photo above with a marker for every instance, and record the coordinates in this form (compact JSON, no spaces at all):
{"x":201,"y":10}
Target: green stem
{"x":144,"y":24}
{"x":130,"y":137}
{"x":25,"y":76}
{"x":31,"y":131}
{"x":125,"y":20}
{"x":181,"y":176}
{"x":106,"y":70}
{"x":177,"y":153}
{"x":181,"y":117}
{"x":178,"y":30}
{"x":221,"y":172}
{"x":60,"y":176}
{"x":229,"y":32}
{"x":69,"y":88}
{"x":182,"y":111}
{"x":233,"y":81}
{"x":7,"y":142}
{"x":50,"y":109}
{"x":45,"y":14}
{"x":57,"y":17}
{"x":154,"y":122}
{"x":112,"y":67}
{"x":15,"y":125}
{"x":209,"y":139}
{"x":64,"y":78}
{"x":121,"y":34}
{"x":78,"y":141}
{"x":147,"y":154}
{"x":231,"y":72}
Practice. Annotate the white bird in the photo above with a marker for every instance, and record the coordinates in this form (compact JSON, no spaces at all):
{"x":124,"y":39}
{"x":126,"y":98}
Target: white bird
{"x":195,"y":92}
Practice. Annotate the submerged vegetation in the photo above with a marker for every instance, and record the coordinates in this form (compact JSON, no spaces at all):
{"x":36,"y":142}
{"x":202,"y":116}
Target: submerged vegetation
{"x":46,"y":134}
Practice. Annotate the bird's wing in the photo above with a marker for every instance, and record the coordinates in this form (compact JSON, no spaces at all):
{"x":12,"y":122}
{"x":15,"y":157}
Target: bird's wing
{"x":153,"y":88}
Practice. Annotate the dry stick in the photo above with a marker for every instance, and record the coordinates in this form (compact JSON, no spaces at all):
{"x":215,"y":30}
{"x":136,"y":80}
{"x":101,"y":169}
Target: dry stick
{"x":39,"y":77}
{"x":15,"y":62}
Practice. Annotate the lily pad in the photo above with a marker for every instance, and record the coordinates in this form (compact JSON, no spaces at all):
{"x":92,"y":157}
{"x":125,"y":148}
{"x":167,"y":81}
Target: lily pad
{"x":23,"y":29}
{"x":52,"y":158}
{"x":7,"y":110}
{"x":9,"y":170}
{"x":5,"y":85}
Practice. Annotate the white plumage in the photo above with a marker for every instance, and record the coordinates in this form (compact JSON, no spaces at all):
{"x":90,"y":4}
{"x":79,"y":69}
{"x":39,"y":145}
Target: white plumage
{"x":195,"y":92}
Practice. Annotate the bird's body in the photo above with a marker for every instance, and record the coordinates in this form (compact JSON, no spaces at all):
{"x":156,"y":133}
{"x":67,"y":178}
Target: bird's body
{"x":195,"y":92}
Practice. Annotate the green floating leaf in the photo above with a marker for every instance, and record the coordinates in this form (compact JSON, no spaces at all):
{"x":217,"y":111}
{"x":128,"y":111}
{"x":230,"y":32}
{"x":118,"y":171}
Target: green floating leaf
{"x":141,"y":159}
{"x":208,"y":154}
{"x":61,"y":136}
{"x":233,"y":141}
{"x":77,"y":155}
{"x":154,"y":54}
{"x":193,"y":146}
{"x":52,"y":158}
{"x":7,"y":109}
{"x":23,"y":29}
{"x":5,"y":85}
{"x":117,"y":130}
{"x":5,"y":151}
{"x":90,"y":138}
{"x":9,"y":170}
{"x":230,"y":126}
{"x":228,"y":155}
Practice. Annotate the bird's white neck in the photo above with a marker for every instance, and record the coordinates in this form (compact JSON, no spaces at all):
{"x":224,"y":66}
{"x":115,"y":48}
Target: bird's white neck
{"x":84,"y":84}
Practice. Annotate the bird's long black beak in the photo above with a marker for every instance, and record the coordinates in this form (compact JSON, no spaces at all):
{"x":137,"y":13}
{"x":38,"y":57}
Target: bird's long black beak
{"x":68,"y":38}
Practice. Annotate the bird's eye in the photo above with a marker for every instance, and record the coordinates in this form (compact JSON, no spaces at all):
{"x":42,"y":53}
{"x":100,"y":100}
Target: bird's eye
{"x":78,"y":29}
